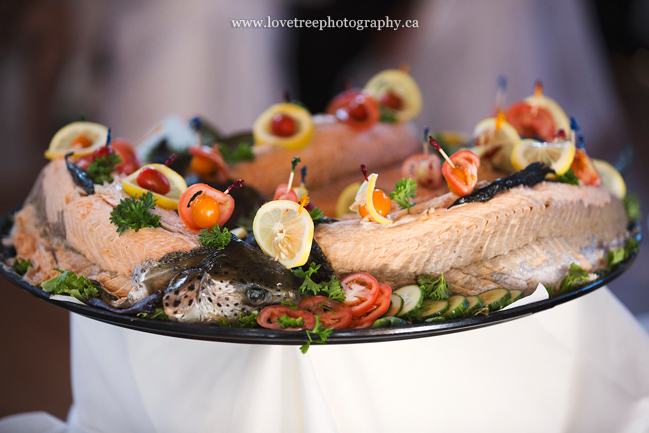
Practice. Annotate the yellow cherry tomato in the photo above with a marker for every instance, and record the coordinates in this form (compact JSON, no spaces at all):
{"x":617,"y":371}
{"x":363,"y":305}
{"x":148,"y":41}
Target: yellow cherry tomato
{"x":382,"y":204}
{"x":205,"y":211}
{"x":202,"y":166}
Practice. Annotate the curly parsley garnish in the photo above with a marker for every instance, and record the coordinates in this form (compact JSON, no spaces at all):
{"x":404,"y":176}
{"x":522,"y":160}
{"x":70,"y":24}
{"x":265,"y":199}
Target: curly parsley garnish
{"x":249,"y":321}
{"x":158,"y":314}
{"x":21,"y":265}
{"x":576,"y":275}
{"x":289,"y":322}
{"x":387,"y":115}
{"x":316,"y":214}
{"x":133,"y":213}
{"x":332,"y":289}
{"x":215,"y":237}
{"x":434,"y":288}
{"x":404,"y":190}
{"x":101,"y":168}
{"x":569,"y":177}
{"x":318,"y":330}
{"x":68,"y":283}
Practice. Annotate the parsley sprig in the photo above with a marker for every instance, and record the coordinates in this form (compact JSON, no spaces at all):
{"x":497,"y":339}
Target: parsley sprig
{"x":215,"y":237}
{"x":316,"y":214}
{"x":569,"y":177}
{"x":332,"y":289}
{"x":249,"y":321}
{"x":433,"y":287}
{"x":68,"y":283}
{"x":133,"y":213}
{"x":576,"y":275}
{"x":243,"y":152}
{"x":158,"y":314}
{"x":319,"y":330}
{"x":100,"y":169}
{"x":289,"y":322}
{"x":404,"y":190}
{"x":21,"y":265}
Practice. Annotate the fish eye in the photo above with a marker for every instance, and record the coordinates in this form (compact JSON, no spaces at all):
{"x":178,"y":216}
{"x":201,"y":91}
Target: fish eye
{"x":257,"y":295}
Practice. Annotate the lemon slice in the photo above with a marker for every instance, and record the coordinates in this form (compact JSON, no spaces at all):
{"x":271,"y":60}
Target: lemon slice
{"x":403,"y":85}
{"x":611,"y":178}
{"x":347,"y":198}
{"x":561,"y":121}
{"x":371,"y":183}
{"x":94,"y":136}
{"x":262,"y":133}
{"x":502,"y":140}
{"x":558,"y":156}
{"x":167,"y":201}
{"x":284,"y":233}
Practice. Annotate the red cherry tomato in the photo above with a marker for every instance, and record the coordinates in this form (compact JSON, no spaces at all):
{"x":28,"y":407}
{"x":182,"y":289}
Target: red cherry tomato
{"x":392,"y":101}
{"x":361,"y":290}
{"x":356,"y":108}
{"x":462,"y":178}
{"x":426,"y":170}
{"x":382,"y":204}
{"x":380,"y":308}
{"x":129,"y":162}
{"x":540,"y":125}
{"x":225,"y":202}
{"x":333,"y":314}
{"x":151,"y":179}
{"x":269,"y":315}
{"x":205,"y":211}
{"x":101,"y":152}
{"x":584,"y":169}
{"x":283,"y":125}
{"x":209,"y":164}
{"x":281,"y":194}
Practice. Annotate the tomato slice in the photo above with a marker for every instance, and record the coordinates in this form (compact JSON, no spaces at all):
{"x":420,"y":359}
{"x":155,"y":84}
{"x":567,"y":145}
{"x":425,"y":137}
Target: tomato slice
{"x":333,"y":314}
{"x":269,"y":315}
{"x":355,"y":107}
{"x":211,"y":165}
{"x":361,"y":290}
{"x":225,"y":201}
{"x":281,"y":194}
{"x":426,"y":170}
{"x":125,"y":151}
{"x":462,"y":178}
{"x":584,"y":169}
{"x":539,"y":125}
{"x":380,"y":308}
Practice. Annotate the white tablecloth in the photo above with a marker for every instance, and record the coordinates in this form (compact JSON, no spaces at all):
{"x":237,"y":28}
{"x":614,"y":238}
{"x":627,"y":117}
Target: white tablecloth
{"x":579,"y":367}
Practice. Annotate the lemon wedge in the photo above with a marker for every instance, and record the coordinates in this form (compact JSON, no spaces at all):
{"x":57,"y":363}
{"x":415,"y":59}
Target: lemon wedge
{"x":371,"y":183}
{"x":402,"y":85}
{"x":167,"y":201}
{"x":284,"y":233}
{"x":347,"y":198}
{"x":263,"y":134}
{"x":82,"y":138}
{"x":500,"y":141}
{"x":558,"y":156}
{"x":611,"y":178}
{"x":558,"y":115}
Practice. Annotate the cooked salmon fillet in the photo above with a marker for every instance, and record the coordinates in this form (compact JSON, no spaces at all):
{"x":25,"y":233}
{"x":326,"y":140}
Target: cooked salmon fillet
{"x":60,"y":226}
{"x":515,"y":240}
{"x":335,"y":150}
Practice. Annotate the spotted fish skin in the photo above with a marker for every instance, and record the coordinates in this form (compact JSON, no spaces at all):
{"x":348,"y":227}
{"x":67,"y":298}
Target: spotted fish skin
{"x":205,"y":284}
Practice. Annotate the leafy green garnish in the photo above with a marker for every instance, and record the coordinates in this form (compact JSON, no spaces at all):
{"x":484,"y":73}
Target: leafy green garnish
{"x":615,"y":257}
{"x":289,"y":304}
{"x":318,"y":330}
{"x":631,"y":247}
{"x":289,"y":322}
{"x":101,"y":168}
{"x":68,"y":283}
{"x":434,"y":288}
{"x":569,"y":177}
{"x":316,"y":214}
{"x":133,"y":213}
{"x":249,"y":321}
{"x":158,"y":314}
{"x":215,"y":237}
{"x":332,"y":289}
{"x":575,"y":276}
{"x":632,"y":206}
{"x":21,"y":265}
{"x":387,"y":115}
{"x":243,"y":152}
{"x":404,"y":190}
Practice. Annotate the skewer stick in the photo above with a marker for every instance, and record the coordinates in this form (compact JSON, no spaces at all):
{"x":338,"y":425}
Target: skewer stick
{"x":425,"y":142}
{"x":195,"y":123}
{"x":538,"y":92}
{"x":500,"y":119}
{"x":574,"y":130}
{"x":294,"y":162}
{"x":303,"y":176}
{"x":435,"y":144}
{"x":501,"y":93}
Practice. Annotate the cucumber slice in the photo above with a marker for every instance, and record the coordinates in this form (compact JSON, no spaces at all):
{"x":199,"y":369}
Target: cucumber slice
{"x":432,"y":308}
{"x":475,"y":303}
{"x":515,"y":296}
{"x":384,"y":322}
{"x":495,"y":299}
{"x":396,"y":305}
{"x":435,"y":319}
{"x":412,"y":297}
{"x":457,"y":305}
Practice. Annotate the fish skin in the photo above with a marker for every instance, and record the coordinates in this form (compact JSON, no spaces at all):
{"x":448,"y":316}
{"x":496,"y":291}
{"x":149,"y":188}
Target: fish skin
{"x":206,"y":284}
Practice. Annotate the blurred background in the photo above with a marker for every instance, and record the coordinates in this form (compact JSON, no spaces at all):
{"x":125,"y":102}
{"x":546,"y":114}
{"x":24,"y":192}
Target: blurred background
{"x":128,"y":64}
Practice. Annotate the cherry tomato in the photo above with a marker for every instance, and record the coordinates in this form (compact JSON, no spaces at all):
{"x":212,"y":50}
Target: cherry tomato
{"x":380,"y":308}
{"x":208,"y":163}
{"x":356,"y":108}
{"x":333,"y":314}
{"x":462,"y":178}
{"x":361,"y":290}
{"x":225,"y":202}
{"x":382,"y":204}
{"x":151,"y":179}
{"x":540,"y":126}
{"x":269,"y":315}
{"x":283,"y":125}
{"x":205,"y":211}
{"x":426,"y":170}
{"x":281,"y":194}
{"x":584,"y":169}
{"x":126,"y":153}
{"x":80,"y":142}
{"x":392,"y":101}
{"x":102,"y":152}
